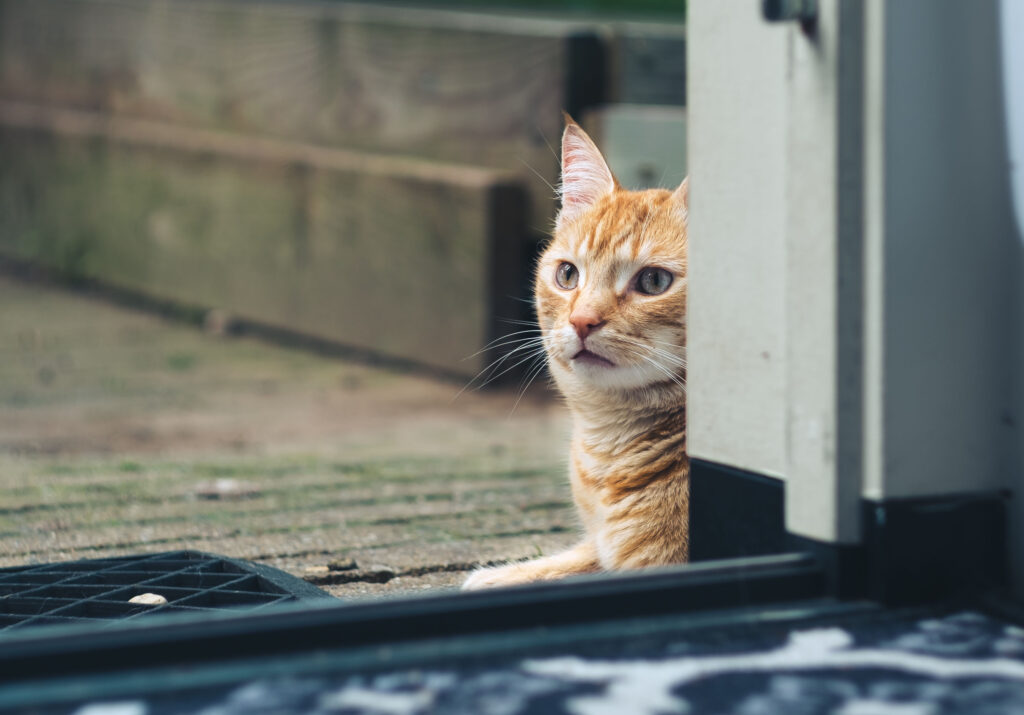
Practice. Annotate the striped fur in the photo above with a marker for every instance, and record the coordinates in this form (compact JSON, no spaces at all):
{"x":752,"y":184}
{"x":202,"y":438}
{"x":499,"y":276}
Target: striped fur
{"x":628,"y":465}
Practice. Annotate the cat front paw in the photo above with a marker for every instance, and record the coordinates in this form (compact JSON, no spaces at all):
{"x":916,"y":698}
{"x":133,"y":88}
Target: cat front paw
{"x":493,"y":577}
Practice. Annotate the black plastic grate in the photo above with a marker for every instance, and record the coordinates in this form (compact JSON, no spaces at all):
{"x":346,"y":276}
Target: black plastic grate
{"x":100,"y":589}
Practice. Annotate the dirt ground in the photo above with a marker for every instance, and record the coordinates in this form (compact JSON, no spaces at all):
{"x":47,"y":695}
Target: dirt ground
{"x":122,"y":432}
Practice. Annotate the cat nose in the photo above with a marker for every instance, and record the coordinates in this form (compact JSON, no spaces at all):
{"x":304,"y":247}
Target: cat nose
{"x":585,"y":321}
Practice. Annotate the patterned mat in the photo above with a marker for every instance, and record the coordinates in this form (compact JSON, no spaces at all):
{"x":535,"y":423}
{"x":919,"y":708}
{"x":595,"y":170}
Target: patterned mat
{"x":889,"y":665}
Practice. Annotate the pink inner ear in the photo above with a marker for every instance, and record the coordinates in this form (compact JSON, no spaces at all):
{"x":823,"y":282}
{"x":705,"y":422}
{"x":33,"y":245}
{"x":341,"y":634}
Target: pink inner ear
{"x":574,"y":170}
{"x":585,"y":175}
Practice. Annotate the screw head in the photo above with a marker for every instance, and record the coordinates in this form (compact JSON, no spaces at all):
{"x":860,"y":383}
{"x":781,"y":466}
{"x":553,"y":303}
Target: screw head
{"x":788,"y":10}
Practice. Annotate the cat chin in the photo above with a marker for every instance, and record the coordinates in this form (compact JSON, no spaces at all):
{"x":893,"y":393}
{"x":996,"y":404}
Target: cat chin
{"x":611,"y":379}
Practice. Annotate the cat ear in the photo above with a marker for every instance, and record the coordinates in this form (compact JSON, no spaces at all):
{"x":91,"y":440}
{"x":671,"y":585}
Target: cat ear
{"x":585,"y":176}
{"x":682,"y":197}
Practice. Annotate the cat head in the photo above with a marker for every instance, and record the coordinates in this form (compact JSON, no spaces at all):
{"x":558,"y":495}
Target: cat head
{"x":611,"y":286}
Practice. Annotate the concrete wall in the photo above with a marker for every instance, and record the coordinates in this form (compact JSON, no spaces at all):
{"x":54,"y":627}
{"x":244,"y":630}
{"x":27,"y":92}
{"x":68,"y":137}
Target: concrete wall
{"x":856,"y":276}
{"x":946,"y":274}
{"x":774,"y":369}
{"x":944,"y":257}
{"x":823,"y":180}
{"x":1012,"y":24}
{"x":736,"y":156}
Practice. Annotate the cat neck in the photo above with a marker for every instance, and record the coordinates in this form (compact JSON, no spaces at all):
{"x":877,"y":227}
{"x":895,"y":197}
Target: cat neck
{"x":626,"y":414}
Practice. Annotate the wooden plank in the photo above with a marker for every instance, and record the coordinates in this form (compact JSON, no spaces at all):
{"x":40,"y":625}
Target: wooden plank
{"x":450,"y":86}
{"x":407,"y":258}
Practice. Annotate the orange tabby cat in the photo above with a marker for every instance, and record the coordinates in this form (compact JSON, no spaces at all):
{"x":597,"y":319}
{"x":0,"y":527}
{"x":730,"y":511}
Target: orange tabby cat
{"x":611,"y":303}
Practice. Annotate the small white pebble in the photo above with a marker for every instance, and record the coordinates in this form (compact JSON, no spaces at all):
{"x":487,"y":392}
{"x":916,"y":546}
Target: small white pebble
{"x":148,"y":599}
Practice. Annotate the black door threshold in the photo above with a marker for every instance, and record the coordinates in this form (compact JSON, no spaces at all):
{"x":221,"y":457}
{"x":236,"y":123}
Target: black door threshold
{"x":192,"y":642}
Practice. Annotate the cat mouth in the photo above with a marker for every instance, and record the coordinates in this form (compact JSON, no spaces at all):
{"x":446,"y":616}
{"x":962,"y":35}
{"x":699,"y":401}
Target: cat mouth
{"x":585,"y":357}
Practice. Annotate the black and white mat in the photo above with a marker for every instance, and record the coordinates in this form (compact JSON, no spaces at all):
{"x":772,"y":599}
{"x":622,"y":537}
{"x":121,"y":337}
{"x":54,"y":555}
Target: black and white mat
{"x":891,"y":665}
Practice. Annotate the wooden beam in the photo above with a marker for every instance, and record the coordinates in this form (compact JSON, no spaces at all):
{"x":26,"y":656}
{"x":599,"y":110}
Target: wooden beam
{"x":408,"y":258}
{"x":455,"y":87}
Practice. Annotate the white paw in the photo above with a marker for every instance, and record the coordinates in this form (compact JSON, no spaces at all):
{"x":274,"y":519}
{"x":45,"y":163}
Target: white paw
{"x":492,"y":577}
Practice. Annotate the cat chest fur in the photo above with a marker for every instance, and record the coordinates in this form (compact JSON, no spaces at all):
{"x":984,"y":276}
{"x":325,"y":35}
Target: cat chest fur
{"x":631,"y":491}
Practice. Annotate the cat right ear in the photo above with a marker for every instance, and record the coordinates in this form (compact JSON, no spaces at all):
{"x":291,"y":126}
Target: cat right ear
{"x":586,"y":177}
{"x":682,"y":197}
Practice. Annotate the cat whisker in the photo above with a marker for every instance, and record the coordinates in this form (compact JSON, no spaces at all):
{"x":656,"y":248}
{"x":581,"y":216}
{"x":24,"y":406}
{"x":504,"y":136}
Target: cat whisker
{"x":670,"y":343}
{"x":531,"y":376}
{"x":528,"y":301}
{"x":531,"y":356}
{"x":515,"y":321}
{"x":502,"y":341}
{"x":670,"y":358}
{"x":662,"y":368}
{"x":669,"y":374}
{"x":531,"y":344}
{"x":525,"y":344}
{"x":545,"y":138}
{"x":540,"y":176}
{"x":665,"y":355}
{"x":541,"y":362}
{"x":519,"y":344}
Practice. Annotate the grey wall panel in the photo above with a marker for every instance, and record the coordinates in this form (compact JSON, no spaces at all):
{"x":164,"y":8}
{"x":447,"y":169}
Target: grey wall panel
{"x":736,"y":143}
{"x":949,"y":261}
{"x":823,"y":274}
{"x":944,"y":324}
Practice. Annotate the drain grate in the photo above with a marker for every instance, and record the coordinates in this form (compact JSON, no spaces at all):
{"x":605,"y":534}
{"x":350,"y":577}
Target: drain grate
{"x":99,"y":590}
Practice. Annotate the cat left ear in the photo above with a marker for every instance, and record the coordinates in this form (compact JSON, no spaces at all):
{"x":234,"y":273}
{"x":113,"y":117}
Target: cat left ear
{"x":586,"y":177}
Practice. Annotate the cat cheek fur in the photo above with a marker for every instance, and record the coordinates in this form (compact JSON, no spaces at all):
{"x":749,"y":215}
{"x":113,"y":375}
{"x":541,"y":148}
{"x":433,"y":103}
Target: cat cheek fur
{"x":629,"y":470}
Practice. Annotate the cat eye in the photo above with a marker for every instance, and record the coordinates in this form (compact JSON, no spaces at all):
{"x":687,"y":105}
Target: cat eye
{"x":567,"y":276}
{"x":653,"y":281}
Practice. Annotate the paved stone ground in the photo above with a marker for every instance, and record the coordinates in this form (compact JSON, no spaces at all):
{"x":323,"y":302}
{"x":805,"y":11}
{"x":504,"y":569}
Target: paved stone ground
{"x":122,"y":432}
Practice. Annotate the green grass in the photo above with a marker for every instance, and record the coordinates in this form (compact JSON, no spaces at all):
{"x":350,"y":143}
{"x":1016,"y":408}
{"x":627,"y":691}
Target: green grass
{"x":181,"y":362}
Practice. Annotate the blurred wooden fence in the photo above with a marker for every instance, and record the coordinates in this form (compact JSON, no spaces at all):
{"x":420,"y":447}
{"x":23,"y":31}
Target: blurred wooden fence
{"x":373,"y":176}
